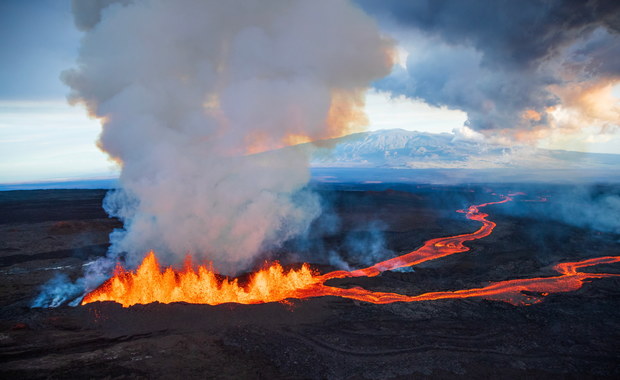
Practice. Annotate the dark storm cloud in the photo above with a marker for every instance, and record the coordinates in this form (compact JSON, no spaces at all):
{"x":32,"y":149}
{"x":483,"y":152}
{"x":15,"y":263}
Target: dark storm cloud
{"x":515,"y":33}
{"x":496,"y":59}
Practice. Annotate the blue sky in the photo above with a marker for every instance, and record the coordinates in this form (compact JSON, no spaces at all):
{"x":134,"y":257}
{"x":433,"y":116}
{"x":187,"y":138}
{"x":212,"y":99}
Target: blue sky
{"x":44,"y":138}
{"x":41,"y":136}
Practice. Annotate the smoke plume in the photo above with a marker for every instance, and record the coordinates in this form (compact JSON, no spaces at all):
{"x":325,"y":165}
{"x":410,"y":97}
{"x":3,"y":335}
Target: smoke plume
{"x":187,"y":90}
{"x":523,"y":70}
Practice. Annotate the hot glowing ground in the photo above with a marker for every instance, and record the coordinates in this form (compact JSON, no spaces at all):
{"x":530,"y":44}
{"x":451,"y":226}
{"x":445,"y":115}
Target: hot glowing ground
{"x":149,"y":283}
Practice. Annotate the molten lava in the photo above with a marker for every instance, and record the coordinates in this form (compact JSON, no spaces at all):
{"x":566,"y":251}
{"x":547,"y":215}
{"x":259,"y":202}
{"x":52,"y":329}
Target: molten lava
{"x":150,"y":284}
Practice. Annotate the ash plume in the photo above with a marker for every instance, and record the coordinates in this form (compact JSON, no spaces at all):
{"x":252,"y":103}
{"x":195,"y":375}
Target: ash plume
{"x":521,"y":70}
{"x":188,"y":90}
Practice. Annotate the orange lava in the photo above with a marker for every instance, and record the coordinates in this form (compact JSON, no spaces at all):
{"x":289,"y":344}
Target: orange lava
{"x":149,"y":284}
{"x":432,"y":249}
{"x":517,"y":292}
{"x":272,"y":284}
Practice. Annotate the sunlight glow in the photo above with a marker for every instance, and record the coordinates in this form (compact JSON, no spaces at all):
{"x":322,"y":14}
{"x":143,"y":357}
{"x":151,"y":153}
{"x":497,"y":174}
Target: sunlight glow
{"x":49,"y":140}
{"x":400,"y":112}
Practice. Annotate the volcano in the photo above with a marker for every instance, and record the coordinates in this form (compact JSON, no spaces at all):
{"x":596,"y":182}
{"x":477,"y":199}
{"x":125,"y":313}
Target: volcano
{"x":505,"y":288}
{"x":403,"y":149}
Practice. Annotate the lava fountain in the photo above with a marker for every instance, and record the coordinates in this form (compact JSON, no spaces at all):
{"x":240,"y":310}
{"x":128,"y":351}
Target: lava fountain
{"x":272,"y":284}
{"x":150,"y":284}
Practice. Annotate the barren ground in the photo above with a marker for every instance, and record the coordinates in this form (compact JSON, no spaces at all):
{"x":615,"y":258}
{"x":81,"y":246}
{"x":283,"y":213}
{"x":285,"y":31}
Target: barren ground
{"x":569,"y":335}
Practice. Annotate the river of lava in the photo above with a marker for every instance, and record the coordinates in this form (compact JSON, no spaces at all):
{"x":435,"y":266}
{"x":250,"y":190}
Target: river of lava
{"x":203,"y":286}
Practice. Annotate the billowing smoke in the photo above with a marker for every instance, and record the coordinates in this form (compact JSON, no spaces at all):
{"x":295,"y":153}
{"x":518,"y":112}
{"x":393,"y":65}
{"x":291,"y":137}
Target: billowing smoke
{"x":521,"y":69}
{"x":188,"y":91}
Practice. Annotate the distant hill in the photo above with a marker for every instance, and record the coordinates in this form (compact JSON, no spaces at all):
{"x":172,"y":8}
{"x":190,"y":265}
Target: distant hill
{"x":401,"y":149}
{"x":86,"y":183}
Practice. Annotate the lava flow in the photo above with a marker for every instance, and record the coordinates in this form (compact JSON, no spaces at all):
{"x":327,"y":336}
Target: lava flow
{"x":203,"y":286}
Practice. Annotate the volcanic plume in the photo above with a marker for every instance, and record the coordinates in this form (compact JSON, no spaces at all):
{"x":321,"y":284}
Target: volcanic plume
{"x":186,"y":91}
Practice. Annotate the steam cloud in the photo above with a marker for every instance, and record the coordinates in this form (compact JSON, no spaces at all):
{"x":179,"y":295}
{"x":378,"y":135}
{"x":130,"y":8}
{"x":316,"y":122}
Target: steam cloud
{"x":518,"y":69}
{"x":186,"y":90}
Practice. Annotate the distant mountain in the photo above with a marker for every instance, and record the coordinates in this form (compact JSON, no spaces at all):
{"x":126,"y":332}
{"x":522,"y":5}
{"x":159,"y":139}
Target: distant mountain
{"x":401,"y":149}
{"x":85,"y":183}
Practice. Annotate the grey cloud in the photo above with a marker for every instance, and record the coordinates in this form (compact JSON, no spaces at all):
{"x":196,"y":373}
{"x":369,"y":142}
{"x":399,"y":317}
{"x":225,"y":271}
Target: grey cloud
{"x":497,"y":59}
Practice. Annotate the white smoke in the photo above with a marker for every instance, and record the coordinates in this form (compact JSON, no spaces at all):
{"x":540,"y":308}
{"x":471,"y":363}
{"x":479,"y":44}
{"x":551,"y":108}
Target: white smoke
{"x":186,"y":89}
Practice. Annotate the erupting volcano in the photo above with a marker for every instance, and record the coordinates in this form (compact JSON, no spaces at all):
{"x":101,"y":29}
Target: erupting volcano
{"x":203,"y":286}
{"x":367,"y":153}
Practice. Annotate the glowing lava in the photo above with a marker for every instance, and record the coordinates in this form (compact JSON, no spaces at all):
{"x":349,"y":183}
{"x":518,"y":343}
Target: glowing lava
{"x":149,"y":284}
{"x":517,"y":292}
{"x":432,"y":249}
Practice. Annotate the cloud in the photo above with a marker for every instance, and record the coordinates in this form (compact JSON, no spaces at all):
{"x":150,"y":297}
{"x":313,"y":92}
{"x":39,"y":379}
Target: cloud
{"x":507,"y":64}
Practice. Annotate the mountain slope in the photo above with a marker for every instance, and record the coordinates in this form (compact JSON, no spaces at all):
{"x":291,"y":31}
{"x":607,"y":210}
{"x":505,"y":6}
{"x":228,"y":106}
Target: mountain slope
{"x":398,"y":148}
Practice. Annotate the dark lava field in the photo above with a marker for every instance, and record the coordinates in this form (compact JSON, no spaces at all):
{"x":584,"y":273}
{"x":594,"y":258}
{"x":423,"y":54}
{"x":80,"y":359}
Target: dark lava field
{"x":567,"y":335}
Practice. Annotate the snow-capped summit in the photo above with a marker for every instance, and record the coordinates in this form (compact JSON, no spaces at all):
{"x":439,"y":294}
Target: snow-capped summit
{"x":399,"y":148}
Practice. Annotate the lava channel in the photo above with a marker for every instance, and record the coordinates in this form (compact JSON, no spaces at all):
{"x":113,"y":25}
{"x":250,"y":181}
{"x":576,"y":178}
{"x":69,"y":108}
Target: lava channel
{"x":149,"y":283}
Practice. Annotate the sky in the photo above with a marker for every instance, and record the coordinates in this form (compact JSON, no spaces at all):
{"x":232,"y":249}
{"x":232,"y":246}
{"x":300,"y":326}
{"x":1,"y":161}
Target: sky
{"x":451,"y":70}
{"x":42,"y":137}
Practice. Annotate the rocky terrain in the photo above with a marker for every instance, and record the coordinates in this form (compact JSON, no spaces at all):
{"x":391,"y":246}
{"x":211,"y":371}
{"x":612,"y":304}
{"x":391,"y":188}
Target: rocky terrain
{"x":568,"y":335}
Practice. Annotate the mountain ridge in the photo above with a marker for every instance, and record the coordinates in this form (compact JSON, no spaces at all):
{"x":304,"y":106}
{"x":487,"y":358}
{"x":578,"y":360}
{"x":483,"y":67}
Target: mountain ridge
{"x":402,"y":149}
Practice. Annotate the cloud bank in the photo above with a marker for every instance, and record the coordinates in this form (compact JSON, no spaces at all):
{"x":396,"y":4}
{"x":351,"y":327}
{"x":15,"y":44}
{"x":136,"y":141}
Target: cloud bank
{"x":523,"y":70}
